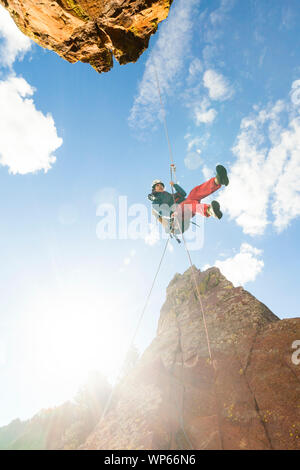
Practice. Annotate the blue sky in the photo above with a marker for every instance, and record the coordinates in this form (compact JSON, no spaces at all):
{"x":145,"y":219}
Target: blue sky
{"x":72,"y":140}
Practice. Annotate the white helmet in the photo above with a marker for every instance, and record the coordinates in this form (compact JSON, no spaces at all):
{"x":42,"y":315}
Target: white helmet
{"x":155,"y":182}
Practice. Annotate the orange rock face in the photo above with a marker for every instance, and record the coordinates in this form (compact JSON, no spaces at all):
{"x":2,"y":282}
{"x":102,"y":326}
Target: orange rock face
{"x":176,"y":399}
{"x":91,"y":31}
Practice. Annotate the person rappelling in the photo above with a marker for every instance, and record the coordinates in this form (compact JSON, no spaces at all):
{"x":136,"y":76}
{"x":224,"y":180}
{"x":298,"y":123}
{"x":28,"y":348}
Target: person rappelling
{"x":175,"y":211}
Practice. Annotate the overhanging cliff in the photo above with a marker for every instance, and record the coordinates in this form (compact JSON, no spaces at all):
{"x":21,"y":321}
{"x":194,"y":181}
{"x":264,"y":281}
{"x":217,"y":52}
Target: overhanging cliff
{"x":173,"y":399}
{"x":90,"y":31}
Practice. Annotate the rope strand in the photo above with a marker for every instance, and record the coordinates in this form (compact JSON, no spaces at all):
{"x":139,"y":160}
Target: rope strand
{"x":109,"y":400}
{"x":172,"y":168}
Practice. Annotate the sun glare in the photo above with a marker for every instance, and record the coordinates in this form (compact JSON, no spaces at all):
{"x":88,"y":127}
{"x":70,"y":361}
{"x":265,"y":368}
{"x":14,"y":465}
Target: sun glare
{"x":69,"y":336}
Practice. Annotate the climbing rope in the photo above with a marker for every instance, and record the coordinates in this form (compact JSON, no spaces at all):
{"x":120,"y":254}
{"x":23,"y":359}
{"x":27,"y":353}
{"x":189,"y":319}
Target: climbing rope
{"x":173,"y":171}
{"x":164,"y":118}
{"x":109,"y":400}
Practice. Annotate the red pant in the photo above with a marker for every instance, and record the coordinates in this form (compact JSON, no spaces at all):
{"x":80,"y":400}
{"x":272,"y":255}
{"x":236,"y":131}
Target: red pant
{"x":192,"y":203}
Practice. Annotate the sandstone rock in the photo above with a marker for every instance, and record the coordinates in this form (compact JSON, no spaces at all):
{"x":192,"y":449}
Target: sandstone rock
{"x":176,"y":399}
{"x":91,"y":31}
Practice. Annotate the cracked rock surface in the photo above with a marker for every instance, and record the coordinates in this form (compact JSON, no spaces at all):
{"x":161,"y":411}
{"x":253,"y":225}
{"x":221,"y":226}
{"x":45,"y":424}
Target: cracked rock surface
{"x":175,"y":399}
{"x":90,"y":31}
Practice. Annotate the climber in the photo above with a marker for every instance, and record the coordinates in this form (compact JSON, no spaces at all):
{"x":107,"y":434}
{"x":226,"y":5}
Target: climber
{"x":174,"y":211}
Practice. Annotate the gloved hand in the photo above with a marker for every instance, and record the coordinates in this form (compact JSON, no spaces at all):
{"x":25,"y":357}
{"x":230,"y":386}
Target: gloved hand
{"x":151,"y":197}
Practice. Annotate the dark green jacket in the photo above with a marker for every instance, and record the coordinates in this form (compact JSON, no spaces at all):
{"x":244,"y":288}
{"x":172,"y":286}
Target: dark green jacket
{"x":164,"y":202}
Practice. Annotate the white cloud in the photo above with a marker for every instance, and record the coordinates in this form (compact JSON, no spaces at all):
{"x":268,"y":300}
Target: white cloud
{"x":209,"y":53}
{"x":193,"y":160}
{"x":192,"y":142}
{"x":205,"y":117}
{"x":218,"y":86}
{"x":288,"y":18}
{"x":286,"y":203}
{"x":264,"y":180}
{"x":295,"y":93}
{"x":195,"y":69}
{"x":218,"y":16}
{"x":207,"y":172}
{"x":218,"y":89}
{"x":215,"y":84}
{"x":203,"y":113}
{"x":13,"y":43}
{"x":28,"y":137}
{"x":195,"y":146}
{"x":167,"y":56}
{"x":243,"y":267}
{"x":212,"y":27}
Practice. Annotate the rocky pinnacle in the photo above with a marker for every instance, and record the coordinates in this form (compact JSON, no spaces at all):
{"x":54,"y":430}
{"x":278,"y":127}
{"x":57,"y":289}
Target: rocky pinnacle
{"x":175,"y":399}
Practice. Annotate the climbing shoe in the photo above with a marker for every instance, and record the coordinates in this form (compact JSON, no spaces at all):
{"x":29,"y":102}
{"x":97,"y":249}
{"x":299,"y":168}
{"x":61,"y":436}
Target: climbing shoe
{"x":222,"y":175}
{"x":214,"y":210}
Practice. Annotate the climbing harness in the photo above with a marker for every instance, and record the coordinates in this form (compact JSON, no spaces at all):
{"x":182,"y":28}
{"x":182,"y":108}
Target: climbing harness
{"x":168,"y":224}
{"x":194,"y":223}
{"x":175,"y":237}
